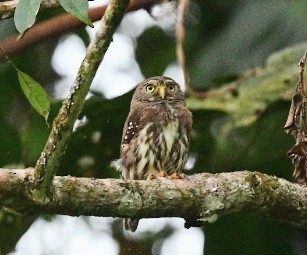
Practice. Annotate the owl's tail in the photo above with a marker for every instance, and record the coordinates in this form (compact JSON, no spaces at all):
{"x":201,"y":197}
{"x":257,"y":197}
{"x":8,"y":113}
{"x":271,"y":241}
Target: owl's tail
{"x":131,"y":224}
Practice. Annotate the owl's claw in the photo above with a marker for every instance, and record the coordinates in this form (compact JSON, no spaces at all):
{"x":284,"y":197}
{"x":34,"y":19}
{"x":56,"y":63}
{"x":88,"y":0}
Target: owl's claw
{"x":151,"y":177}
{"x":162,"y":174}
{"x":176,"y":176}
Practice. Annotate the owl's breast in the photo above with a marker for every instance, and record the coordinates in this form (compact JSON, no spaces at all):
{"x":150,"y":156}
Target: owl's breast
{"x":165,"y":113}
{"x":161,"y":144}
{"x":168,"y":135}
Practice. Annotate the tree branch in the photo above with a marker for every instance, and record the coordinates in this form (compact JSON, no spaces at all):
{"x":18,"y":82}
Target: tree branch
{"x":48,"y":162}
{"x":204,"y":197}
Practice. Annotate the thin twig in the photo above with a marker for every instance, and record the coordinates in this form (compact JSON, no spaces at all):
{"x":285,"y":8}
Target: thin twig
{"x":180,"y":38}
{"x":230,"y":88}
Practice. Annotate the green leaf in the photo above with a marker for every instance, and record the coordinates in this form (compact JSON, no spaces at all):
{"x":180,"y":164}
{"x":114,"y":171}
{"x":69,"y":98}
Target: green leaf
{"x":78,"y":8}
{"x":25,"y":14}
{"x":35,"y":94}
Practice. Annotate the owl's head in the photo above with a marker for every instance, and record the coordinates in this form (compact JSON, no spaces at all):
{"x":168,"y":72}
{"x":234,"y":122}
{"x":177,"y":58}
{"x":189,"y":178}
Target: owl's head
{"x":158,"y":89}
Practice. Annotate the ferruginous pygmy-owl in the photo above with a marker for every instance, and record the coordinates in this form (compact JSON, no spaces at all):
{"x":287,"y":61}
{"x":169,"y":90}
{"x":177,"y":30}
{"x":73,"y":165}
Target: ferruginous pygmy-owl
{"x":156,"y":134}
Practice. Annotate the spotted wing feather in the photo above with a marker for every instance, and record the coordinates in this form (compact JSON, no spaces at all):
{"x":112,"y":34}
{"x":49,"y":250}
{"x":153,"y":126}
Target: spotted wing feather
{"x":134,"y":123}
{"x":131,"y":128}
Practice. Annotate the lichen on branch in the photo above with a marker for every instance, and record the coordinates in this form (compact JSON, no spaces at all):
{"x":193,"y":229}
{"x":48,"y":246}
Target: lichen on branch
{"x":48,"y":162}
{"x":203,"y":197}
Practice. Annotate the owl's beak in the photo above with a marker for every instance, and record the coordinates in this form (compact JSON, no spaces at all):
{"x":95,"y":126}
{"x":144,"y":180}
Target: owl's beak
{"x":162,"y":91}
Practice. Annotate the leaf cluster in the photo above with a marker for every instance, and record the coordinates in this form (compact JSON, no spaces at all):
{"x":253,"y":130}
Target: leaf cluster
{"x":26,"y":12}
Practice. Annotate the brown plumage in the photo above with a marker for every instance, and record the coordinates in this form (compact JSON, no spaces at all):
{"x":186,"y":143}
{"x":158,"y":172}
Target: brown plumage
{"x":156,"y":134}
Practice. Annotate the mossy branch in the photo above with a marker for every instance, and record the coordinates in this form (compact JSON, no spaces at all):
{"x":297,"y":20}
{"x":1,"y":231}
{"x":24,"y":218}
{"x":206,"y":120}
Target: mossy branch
{"x":204,"y":197}
{"x":48,"y":162}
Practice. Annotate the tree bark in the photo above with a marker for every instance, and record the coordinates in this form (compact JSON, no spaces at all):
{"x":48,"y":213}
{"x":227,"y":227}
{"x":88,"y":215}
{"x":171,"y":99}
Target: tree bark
{"x":202,"y":197}
{"x":62,"y":125}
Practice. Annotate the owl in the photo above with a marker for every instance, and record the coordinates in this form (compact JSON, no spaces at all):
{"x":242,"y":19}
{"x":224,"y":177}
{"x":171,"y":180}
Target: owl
{"x":156,"y":134}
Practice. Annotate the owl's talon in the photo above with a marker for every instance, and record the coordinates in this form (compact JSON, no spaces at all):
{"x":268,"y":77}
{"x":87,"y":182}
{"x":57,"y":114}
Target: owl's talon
{"x":162,"y":174}
{"x":151,"y":177}
{"x":176,"y":176}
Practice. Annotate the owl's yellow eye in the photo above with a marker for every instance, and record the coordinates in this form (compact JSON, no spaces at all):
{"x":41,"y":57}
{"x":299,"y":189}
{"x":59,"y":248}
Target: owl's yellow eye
{"x":171,"y":87}
{"x":150,"y":88}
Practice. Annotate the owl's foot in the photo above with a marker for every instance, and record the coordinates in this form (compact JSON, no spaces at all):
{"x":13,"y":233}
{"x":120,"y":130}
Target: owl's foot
{"x":176,"y":176}
{"x":161,"y":174}
{"x":151,"y":177}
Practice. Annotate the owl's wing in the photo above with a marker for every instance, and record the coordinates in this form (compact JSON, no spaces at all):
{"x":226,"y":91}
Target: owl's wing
{"x":185,"y":117}
{"x":132,"y":127}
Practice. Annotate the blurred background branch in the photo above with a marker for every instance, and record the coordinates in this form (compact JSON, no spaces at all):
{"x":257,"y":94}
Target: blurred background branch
{"x":57,"y":26}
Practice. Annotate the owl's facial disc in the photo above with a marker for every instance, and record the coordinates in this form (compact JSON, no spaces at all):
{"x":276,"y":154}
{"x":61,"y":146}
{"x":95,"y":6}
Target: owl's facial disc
{"x":159,"y":90}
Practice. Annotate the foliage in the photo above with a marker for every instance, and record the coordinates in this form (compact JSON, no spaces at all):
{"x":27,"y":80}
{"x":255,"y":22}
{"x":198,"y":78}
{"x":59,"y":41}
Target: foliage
{"x":35,"y":94}
{"x":78,"y":9}
{"x":25,"y":14}
{"x":26,"y":11}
